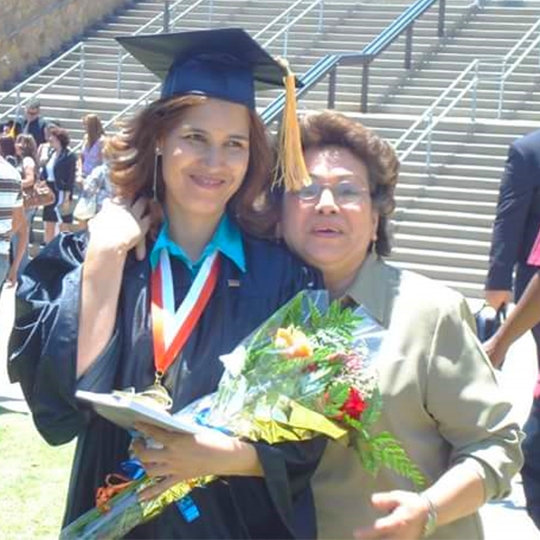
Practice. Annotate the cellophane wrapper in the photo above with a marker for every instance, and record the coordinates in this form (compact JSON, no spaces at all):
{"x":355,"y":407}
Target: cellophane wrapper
{"x":308,"y":371}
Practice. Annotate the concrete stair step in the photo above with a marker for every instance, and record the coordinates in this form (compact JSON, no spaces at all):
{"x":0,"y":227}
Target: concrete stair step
{"x":443,"y":273}
{"x":453,"y":182}
{"x":443,"y":230}
{"x":435,"y":191}
{"x":435,"y":257}
{"x":475,"y":160}
{"x":443,"y":206}
{"x":446,"y":217}
{"x":437,"y":243}
{"x":449,"y":143}
{"x":462,"y":111}
{"x":456,"y":169}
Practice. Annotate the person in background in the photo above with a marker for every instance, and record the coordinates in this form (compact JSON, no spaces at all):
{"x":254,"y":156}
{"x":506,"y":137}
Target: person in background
{"x":92,"y":151}
{"x":84,"y":315}
{"x":45,"y":150}
{"x":59,"y":172}
{"x":7,"y":149}
{"x":26,"y":151}
{"x":440,"y":395}
{"x":96,"y":189}
{"x":524,"y":317}
{"x":516,"y":225}
{"x":9,"y":129}
{"x":33,"y":124}
{"x":11,"y":212}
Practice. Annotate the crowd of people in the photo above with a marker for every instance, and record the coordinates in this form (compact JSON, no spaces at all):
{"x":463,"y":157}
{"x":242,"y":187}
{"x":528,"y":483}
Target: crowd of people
{"x":195,"y":181}
{"x":52,"y":178}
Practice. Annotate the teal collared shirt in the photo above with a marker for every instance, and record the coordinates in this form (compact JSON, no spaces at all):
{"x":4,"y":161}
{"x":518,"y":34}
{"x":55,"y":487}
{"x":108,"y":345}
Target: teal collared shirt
{"x":227,"y":240}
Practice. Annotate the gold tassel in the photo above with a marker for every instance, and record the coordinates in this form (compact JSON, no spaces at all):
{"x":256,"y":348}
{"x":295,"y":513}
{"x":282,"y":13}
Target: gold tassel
{"x":12,"y":132}
{"x":291,"y":170}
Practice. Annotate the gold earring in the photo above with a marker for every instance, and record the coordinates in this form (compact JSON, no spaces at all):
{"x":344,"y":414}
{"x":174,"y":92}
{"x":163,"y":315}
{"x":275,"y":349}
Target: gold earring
{"x":154,"y":182}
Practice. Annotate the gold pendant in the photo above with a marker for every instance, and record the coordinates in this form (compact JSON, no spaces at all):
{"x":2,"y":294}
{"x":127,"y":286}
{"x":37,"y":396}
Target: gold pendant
{"x":158,"y":393}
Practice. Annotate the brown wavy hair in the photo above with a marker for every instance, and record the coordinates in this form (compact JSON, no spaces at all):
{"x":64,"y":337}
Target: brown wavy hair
{"x":330,"y":128}
{"x":93,"y":128}
{"x":61,"y":134}
{"x":28,"y":145}
{"x":131,"y":153}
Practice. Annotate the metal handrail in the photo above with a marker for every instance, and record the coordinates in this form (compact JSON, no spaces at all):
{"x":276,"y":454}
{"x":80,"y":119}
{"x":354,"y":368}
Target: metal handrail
{"x":17,"y":89}
{"x":265,"y":29}
{"x":123,"y":55}
{"x":314,"y":74}
{"x":329,"y":63}
{"x":428,"y":115}
{"x":123,"y":112}
{"x":277,"y":19}
{"x":287,"y":27}
{"x":155,"y":19}
{"x":432,"y":123}
{"x":473,"y":65}
{"x":505,"y":74}
{"x":522,"y":40}
{"x":20,"y":103}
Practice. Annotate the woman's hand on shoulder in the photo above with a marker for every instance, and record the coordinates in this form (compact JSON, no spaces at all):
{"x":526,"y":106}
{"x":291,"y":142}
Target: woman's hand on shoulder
{"x":120,"y":226}
{"x":406,"y":514}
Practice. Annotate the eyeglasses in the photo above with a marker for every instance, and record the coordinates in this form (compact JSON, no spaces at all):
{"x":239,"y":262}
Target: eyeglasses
{"x":343,"y":192}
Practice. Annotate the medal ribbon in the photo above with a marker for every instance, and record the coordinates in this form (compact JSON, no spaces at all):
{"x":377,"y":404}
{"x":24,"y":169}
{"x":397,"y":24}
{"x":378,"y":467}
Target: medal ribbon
{"x":171,"y":329}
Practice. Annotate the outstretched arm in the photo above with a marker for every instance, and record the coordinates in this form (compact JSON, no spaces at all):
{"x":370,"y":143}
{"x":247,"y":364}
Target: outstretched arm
{"x":523,"y":317}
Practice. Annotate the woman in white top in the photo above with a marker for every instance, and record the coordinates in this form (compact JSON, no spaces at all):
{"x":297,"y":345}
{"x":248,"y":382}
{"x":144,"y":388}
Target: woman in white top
{"x":26,"y":154}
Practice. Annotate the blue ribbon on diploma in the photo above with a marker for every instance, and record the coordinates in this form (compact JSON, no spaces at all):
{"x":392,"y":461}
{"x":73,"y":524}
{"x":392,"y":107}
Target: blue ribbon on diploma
{"x":133,"y":469}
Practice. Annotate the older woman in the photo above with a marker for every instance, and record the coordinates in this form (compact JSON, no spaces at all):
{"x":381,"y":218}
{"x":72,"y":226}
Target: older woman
{"x":202,"y":153}
{"x":441,"y":397}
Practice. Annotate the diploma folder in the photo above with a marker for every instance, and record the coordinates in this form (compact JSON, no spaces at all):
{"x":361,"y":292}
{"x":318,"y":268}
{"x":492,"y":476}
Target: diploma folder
{"x":124,"y":411}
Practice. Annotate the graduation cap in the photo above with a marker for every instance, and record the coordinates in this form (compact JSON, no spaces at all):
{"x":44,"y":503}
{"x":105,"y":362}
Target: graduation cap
{"x":228,"y":64}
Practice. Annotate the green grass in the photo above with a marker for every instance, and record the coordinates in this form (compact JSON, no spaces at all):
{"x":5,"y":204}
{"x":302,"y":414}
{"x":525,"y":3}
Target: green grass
{"x":33,"y":480}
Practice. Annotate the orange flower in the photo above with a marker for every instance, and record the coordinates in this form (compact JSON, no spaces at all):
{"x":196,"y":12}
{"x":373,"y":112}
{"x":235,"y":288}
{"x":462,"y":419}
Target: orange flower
{"x":294,"y":343}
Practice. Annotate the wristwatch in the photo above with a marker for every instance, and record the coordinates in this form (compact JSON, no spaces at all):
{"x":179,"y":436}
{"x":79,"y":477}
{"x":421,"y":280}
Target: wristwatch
{"x":432,"y":517}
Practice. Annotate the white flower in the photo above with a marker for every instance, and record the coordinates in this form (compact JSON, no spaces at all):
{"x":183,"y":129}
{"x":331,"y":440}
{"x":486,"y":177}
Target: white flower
{"x":234,"y":362}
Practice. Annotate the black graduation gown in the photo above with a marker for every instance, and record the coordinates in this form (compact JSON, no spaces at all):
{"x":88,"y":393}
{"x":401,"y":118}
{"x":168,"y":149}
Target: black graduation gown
{"x":42,"y":357}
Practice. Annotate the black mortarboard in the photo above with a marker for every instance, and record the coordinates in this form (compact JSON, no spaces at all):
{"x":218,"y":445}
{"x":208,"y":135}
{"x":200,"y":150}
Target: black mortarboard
{"x":225,"y":63}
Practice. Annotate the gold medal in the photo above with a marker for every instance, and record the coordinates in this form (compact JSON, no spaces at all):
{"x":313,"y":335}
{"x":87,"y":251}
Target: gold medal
{"x":158,"y":394}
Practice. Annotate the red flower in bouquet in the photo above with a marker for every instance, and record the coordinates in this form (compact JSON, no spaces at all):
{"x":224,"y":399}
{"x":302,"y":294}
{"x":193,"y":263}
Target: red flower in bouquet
{"x":354,"y":406}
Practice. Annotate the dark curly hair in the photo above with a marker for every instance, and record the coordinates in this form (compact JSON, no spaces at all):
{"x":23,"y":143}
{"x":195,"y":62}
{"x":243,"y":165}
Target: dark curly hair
{"x":131,"y":153}
{"x":330,"y":128}
{"x":61,"y":134}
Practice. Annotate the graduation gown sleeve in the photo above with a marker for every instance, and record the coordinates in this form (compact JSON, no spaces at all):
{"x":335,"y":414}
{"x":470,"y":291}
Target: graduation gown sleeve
{"x":43,"y":342}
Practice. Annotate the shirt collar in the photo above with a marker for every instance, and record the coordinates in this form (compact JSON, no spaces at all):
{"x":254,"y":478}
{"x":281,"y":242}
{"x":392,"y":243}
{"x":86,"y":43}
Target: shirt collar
{"x":371,"y":290}
{"x":227,"y":240}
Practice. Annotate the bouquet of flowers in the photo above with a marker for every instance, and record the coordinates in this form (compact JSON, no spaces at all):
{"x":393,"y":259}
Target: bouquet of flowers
{"x":308,"y":371}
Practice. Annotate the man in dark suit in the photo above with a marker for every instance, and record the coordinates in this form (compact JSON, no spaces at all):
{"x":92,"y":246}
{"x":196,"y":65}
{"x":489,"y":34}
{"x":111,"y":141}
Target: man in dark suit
{"x":516,"y":226}
{"x":33,"y":123}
